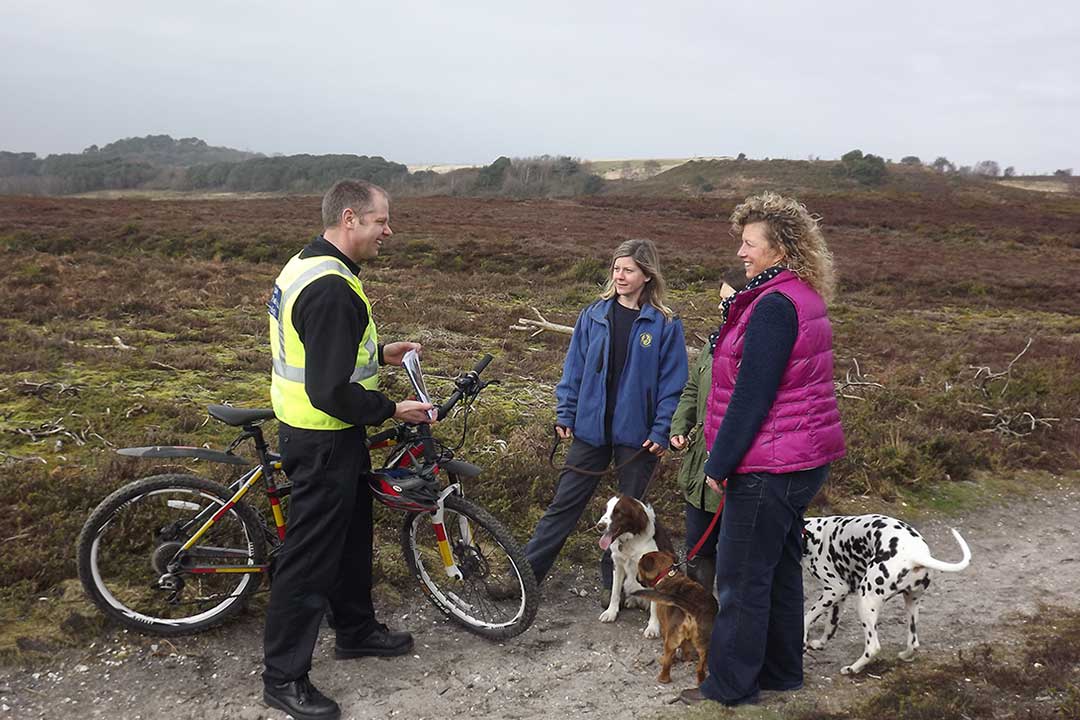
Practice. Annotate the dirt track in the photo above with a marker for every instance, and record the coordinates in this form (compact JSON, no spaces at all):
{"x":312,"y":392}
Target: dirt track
{"x":568,"y":664}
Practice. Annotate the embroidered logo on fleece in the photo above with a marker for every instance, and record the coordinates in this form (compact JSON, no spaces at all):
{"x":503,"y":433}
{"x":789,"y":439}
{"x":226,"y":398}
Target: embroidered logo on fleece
{"x":645,"y":339}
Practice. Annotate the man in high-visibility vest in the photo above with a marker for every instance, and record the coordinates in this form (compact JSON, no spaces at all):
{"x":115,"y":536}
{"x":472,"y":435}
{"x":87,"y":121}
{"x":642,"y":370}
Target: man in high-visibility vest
{"x":324,"y":387}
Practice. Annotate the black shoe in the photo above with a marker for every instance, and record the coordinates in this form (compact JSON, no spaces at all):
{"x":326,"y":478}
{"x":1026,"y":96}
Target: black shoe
{"x":382,"y":642}
{"x":300,"y":699}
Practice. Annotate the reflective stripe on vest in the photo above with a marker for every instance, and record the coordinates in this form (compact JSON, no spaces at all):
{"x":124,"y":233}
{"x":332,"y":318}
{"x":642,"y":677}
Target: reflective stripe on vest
{"x":291,"y":403}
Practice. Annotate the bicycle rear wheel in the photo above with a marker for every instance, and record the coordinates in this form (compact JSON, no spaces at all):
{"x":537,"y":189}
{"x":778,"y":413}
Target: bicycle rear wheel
{"x":131,"y":539}
{"x":496,"y":595}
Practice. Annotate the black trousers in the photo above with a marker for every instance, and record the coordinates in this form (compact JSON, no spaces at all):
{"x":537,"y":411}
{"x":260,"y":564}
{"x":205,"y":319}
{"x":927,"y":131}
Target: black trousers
{"x":572,"y":495}
{"x":326,"y":558}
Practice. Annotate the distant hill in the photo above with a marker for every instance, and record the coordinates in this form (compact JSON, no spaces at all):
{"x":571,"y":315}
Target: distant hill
{"x":163,"y":150}
{"x":151,"y":161}
{"x":162,"y":163}
{"x":854,"y":173}
{"x":730,"y":176}
{"x":294,"y":173}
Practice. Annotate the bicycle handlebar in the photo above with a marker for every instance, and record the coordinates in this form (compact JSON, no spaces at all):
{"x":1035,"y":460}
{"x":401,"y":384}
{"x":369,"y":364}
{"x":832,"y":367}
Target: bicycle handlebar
{"x":382,"y":436}
{"x":465,"y":384}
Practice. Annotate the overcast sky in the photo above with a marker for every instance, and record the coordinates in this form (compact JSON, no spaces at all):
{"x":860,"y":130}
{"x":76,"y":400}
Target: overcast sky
{"x":420,"y":81}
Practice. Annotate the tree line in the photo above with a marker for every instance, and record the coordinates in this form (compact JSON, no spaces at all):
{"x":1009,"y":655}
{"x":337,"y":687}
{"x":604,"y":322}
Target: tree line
{"x":158,"y":162}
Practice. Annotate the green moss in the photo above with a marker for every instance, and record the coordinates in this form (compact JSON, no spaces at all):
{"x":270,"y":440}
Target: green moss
{"x":184,"y":284}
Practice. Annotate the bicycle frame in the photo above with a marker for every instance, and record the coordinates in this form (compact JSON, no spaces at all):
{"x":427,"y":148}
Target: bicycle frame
{"x":418,"y":449}
{"x":240,"y":487}
{"x":410,"y":453}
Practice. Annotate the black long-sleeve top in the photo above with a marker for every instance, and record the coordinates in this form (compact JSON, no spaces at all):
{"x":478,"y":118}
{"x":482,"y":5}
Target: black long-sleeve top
{"x":330,"y":319}
{"x":770,"y":336}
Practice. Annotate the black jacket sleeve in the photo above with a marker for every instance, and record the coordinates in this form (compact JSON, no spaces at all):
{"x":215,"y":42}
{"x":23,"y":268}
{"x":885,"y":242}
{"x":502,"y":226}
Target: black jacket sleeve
{"x":330,"y":319}
{"x":770,"y":336}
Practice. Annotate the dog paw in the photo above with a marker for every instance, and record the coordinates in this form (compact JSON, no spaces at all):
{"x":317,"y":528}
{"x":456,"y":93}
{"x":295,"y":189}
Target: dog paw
{"x":906,"y":655}
{"x":816,"y":644}
{"x":652,"y":631}
{"x":848,"y":670}
{"x":609,"y":615}
{"x":663,"y":678}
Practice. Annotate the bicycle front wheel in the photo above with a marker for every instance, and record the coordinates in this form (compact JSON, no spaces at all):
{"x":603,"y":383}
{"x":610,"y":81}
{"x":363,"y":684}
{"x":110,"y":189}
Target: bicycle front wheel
{"x":133,"y":566}
{"x":483,"y":582}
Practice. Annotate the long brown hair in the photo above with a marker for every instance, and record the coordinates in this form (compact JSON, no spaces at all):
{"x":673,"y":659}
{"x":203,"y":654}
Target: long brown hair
{"x":643,"y":252}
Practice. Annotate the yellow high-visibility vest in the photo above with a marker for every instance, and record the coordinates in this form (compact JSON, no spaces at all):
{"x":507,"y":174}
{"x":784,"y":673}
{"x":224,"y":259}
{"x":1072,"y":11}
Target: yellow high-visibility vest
{"x":290,"y":400}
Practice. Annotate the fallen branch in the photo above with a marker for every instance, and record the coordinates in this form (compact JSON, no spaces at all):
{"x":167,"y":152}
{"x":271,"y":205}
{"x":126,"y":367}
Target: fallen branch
{"x":28,"y":387}
{"x":984,"y":375}
{"x":20,"y":536}
{"x":117,"y":344}
{"x":16,"y":458}
{"x":855,"y":380}
{"x":541,"y":324}
{"x":1008,"y":422}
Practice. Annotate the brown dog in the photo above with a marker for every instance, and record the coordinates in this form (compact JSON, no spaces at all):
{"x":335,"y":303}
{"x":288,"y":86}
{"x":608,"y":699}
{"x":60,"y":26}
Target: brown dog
{"x":687,"y":610}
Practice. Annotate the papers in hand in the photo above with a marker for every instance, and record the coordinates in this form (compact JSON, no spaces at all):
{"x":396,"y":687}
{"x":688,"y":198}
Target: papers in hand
{"x":411,"y":362}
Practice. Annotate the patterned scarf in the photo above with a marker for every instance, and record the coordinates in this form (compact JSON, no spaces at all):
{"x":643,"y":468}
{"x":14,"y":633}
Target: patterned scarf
{"x":757,"y":281}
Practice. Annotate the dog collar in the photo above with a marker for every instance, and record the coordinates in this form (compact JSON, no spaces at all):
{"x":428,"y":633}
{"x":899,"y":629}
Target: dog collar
{"x":669,"y":572}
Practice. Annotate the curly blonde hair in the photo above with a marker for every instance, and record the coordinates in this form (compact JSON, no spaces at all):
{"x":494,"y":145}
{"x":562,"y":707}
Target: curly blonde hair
{"x":795,"y":232}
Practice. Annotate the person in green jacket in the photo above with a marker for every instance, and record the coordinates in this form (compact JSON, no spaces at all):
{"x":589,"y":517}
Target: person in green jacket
{"x":686,"y":433}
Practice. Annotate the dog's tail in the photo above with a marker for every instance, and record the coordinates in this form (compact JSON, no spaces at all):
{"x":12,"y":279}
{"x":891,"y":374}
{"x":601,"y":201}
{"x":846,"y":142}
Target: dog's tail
{"x":935,"y":564}
{"x":663,"y":599}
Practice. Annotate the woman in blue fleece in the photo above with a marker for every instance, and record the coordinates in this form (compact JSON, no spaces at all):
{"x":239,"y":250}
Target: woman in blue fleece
{"x":621,"y":381}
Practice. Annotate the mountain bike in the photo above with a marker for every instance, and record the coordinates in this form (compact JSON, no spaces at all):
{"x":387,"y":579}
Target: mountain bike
{"x":175,"y":554}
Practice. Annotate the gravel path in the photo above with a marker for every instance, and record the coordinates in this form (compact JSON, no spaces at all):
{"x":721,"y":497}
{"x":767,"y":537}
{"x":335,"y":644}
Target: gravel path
{"x":568,"y":663}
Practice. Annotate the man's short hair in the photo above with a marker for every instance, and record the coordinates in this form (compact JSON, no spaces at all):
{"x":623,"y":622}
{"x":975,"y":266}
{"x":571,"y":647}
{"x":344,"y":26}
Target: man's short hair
{"x":359,"y":195}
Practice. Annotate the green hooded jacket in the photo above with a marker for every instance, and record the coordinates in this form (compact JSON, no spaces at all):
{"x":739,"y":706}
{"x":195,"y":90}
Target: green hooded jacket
{"x":689,"y":420}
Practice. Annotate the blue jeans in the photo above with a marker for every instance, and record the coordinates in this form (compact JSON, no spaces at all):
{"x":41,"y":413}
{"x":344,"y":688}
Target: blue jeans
{"x":757,"y":638}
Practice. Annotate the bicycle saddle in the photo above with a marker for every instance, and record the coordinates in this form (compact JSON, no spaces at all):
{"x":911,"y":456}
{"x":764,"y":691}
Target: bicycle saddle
{"x":239,"y":416}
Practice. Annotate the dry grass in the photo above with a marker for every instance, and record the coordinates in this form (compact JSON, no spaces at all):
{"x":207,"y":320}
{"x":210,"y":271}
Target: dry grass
{"x":930,"y":290}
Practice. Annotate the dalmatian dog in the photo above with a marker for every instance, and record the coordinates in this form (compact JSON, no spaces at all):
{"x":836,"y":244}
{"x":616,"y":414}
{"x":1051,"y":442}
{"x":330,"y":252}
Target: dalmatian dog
{"x":873,"y":557}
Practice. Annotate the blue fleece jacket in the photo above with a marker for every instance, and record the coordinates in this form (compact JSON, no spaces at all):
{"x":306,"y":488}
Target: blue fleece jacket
{"x":652,"y":379}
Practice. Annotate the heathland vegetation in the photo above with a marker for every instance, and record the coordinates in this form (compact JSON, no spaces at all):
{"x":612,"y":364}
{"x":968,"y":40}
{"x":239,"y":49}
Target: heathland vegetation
{"x":957,"y":329}
{"x":957,"y":335}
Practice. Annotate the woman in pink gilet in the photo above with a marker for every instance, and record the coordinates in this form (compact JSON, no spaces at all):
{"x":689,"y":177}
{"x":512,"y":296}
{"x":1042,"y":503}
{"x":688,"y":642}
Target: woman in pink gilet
{"x":772,"y":427}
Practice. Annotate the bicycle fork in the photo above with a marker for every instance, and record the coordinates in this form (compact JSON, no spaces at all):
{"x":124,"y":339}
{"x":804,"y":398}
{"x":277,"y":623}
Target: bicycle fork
{"x":439,"y":527}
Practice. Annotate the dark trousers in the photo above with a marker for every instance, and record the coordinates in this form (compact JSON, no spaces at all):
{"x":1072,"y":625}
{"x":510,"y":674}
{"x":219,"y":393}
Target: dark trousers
{"x":326,"y":558}
{"x":702,"y":567}
{"x":572,"y":495}
{"x":697,"y":522}
{"x":757,"y":638}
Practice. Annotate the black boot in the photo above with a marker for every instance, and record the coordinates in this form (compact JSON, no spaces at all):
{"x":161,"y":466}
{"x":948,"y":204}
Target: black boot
{"x":382,"y":642}
{"x":300,"y":699}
